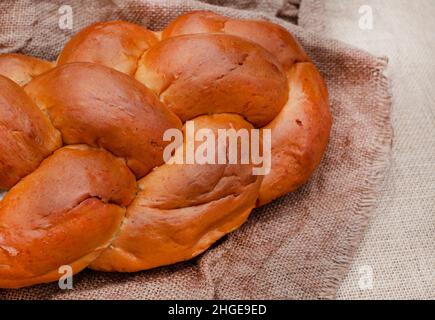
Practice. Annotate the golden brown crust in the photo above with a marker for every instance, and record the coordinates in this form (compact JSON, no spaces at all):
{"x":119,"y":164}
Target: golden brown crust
{"x":21,"y":68}
{"x":182,"y":209}
{"x":200,"y":21}
{"x":101,"y":107}
{"x":115,"y":44}
{"x":215,"y":73}
{"x":39,"y":233}
{"x":26,"y":135}
{"x":81,"y":206}
{"x":270,"y":36}
{"x":300,"y":133}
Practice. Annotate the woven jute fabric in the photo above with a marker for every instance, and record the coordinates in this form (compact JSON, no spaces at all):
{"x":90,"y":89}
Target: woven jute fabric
{"x":298,"y":247}
{"x":398,"y":251}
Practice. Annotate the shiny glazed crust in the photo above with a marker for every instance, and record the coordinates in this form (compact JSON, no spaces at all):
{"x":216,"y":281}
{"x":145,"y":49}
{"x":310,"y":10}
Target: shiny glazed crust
{"x":21,"y":68}
{"x":81,"y":146}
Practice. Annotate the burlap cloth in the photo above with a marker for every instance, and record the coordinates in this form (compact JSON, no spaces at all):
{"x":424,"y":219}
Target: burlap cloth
{"x":399,"y":246}
{"x":298,"y":247}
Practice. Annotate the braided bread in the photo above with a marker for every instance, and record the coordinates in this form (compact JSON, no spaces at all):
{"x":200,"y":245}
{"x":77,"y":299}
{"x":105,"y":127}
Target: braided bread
{"x":82,"y":148}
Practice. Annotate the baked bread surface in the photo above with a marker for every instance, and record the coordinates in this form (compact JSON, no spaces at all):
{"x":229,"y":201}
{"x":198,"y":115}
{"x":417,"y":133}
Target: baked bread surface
{"x":82,"y":142}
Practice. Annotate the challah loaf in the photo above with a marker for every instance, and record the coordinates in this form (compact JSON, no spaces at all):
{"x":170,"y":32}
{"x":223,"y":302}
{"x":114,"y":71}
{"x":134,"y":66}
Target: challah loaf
{"x":82,"y":142}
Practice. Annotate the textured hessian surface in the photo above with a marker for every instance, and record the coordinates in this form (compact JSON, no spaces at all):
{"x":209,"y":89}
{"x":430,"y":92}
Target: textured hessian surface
{"x":399,"y":246}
